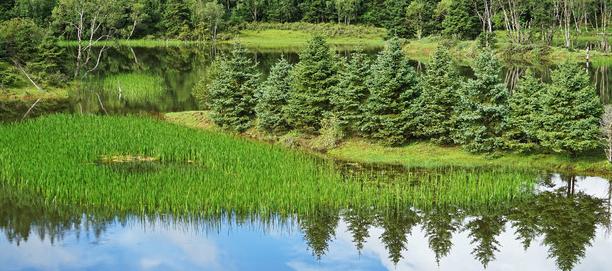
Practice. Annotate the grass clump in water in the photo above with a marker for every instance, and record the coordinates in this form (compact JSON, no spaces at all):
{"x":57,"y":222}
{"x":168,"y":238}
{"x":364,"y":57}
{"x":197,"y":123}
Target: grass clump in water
{"x":202,"y":172}
{"x":135,"y":87}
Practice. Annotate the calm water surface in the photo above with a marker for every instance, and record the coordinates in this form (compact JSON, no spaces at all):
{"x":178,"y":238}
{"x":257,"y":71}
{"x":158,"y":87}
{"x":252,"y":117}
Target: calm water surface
{"x":565,"y":226}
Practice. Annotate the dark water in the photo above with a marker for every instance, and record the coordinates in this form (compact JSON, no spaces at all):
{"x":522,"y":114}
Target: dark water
{"x":179,"y":69}
{"x":565,"y":226}
{"x":175,"y":71}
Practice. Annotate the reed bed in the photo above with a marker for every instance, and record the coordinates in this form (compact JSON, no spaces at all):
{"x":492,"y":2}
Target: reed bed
{"x":135,"y":87}
{"x":188,"y":171}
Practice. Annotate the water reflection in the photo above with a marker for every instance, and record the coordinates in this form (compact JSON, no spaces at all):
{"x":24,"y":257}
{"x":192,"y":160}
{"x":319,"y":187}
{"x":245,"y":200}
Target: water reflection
{"x":564,"y":226}
{"x":180,"y":68}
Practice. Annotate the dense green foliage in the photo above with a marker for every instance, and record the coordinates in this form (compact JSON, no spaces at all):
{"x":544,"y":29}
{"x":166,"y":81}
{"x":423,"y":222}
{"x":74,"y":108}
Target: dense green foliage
{"x":195,"y":19}
{"x":437,"y":115}
{"x":388,"y":102}
{"x":350,"y":95}
{"x":313,"y":80}
{"x":272,"y":98}
{"x":525,"y":117}
{"x":393,"y":91}
{"x":231,"y":96}
{"x":570,"y":112}
{"x":483,"y":107}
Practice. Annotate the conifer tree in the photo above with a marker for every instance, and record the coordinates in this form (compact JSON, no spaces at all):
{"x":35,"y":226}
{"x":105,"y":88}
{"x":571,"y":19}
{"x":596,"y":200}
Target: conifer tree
{"x":483,"y":107}
{"x":392,"y":83}
{"x":523,"y":120}
{"x":437,"y":118}
{"x":350,"y":95}
{"x":232,"y":93}
{"x":272,"y":98}
{"x":570,"y":111}
{"x":314,"y":77}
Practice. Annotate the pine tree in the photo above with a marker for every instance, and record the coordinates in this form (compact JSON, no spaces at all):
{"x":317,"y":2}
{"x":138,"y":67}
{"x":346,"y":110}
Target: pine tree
{"x":350,"y":95}
{"x":232,"y":93}
{"x":570,"y":111}
{"x":392,"y":83}
{"x":483,"y":107}
{"x":437,"y":118}
{"x":313,"y":79}
{"x":272,"y":98}
{"x":525,"y":110}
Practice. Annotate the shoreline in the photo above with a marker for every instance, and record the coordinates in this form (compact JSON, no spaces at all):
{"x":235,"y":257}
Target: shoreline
{"x":419,"y":154}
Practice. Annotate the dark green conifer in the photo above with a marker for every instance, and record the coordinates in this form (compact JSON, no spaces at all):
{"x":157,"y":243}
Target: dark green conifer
{"x":393,"y":90}
{"x":570,"y":111}
{"x":231,"y":95}
{"x":437,"y":118}
{"x":483,"y":107}
{"x":351,"y":94}
{"x":272,"y":98}
{"x":314,"y":77}
{"x":523,"y":121}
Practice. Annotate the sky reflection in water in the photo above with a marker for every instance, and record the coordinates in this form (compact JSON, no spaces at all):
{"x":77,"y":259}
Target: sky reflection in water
{"x":159,"y":245}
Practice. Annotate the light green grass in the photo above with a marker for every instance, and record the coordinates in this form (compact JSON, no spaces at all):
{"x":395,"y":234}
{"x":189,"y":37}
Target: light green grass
{"x":428,"y":155}
{"x":90,"y":161}
{"x":273,"y":39}
{"x":32,"y":93}
{"x":423,"y":154}
{"x":466,"y":51}
{"x":135,"y":87}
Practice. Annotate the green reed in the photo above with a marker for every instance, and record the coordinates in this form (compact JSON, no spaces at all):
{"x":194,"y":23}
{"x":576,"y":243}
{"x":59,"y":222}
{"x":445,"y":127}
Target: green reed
{"x":135,"y":87}
{"x":64,"y":158}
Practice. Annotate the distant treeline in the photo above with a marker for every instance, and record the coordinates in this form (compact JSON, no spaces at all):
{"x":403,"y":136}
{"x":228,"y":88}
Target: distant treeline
{"x":385,"y":100}
{"x":525,"y":20}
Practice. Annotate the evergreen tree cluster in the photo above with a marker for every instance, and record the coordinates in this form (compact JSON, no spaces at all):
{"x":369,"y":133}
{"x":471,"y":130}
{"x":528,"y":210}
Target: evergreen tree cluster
{"x":386,"y":101}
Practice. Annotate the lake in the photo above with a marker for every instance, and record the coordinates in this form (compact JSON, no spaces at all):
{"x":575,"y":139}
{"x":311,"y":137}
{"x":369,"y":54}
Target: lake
{"x":563,"y":223}
{"x":566,"y":225}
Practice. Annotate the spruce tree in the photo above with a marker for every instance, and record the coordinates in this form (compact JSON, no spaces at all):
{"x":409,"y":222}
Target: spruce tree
{"x":272,"y":98}
{"x":313,"y":79}
{"x":350,"y":95}
{"x":523,"y":120}
{"x":437,"y":118}
{"x":483,"y":107}
{"x":392,"y":83}
{"x":570,"y":112}
{"x":232,"y":93}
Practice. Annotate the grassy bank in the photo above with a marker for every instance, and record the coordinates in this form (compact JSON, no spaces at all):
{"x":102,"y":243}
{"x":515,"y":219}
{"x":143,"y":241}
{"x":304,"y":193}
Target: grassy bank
{"x":465,"y":51}
{"x":15,"y":102}
{"x":428,"y":155}
{"x":296,"y":35}
{"x":424,"y":154}
{"x":143,"y":165}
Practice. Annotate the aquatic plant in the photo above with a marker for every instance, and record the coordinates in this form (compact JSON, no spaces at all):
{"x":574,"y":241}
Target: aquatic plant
{"x":142,"y":165}
{"x":135,"y":87}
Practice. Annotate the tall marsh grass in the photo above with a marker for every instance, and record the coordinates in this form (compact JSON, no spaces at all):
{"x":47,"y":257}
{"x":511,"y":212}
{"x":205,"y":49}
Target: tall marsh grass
{"x":135,"y":87}
{"x":65,"y":159}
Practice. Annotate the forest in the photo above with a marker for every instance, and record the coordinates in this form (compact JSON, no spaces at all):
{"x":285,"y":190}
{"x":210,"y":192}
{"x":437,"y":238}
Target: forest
{"x":525,"y":21}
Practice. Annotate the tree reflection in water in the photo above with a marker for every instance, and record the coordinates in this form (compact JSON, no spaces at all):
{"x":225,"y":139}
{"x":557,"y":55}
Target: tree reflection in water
{"x":564,"y":219}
